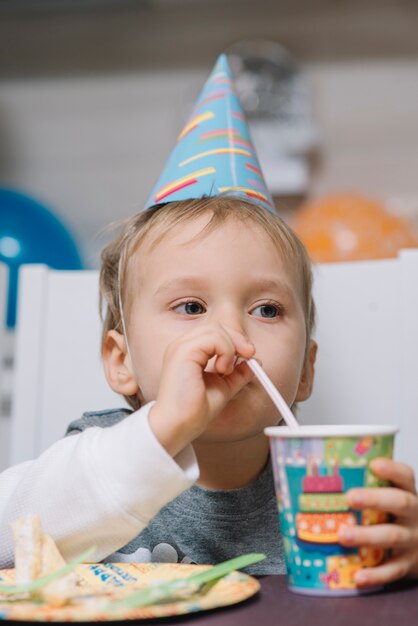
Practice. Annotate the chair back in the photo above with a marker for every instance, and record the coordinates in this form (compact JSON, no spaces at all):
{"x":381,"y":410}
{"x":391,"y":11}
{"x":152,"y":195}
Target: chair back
{"x":367,"y":333}
{"x":58,"y":371}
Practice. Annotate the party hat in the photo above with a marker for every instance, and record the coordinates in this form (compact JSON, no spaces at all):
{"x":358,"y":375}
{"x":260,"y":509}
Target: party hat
{"x":214,"y":152}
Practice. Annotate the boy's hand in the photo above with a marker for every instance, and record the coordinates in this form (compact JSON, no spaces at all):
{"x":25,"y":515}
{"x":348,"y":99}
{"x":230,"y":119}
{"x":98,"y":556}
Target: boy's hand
{"x":189,"y":397}
{"x":400,"y":537}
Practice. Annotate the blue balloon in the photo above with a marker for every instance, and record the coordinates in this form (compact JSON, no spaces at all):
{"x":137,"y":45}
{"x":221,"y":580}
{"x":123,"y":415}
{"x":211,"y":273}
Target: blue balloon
{"x":30,"y":233}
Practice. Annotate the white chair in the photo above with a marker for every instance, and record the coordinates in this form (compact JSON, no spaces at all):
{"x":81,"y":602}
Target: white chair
{"x":366,"y":370}
{"x":367,"y":332}
{"x":58,"y":373}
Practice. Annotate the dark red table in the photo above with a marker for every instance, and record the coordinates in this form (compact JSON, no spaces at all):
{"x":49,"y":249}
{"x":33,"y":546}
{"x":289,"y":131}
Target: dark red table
{"x":275,"y":605}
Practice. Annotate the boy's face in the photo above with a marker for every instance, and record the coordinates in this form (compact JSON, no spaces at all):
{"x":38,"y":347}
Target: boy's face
{"x":236,"y":277}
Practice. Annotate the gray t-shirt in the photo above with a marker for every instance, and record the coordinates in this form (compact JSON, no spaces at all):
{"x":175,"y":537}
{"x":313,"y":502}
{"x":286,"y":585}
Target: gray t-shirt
{"x":203,"y":525}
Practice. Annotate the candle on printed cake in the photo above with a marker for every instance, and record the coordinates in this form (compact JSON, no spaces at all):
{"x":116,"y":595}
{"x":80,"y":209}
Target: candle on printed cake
{"x":314,"y":466}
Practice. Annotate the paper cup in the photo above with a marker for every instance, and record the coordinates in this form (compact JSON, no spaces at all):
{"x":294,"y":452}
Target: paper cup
{"x":314,"y":466}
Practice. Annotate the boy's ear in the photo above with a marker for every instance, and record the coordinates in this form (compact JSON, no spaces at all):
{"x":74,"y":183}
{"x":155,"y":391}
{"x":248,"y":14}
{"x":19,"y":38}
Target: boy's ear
{"x":117,"y":365}
{"x":308,"y":374}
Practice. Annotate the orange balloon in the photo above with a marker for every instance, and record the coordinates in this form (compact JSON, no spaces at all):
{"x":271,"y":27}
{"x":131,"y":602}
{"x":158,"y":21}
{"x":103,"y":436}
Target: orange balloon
{"x":350,"y":227}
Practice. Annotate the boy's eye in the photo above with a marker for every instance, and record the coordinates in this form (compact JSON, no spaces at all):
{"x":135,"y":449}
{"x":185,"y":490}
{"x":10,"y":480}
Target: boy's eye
{"x":268,"y":310}
{"x":190,"y":308}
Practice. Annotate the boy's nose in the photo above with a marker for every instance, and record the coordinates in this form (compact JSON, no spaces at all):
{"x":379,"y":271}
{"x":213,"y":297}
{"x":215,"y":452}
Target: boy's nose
{"x":231,"y":319}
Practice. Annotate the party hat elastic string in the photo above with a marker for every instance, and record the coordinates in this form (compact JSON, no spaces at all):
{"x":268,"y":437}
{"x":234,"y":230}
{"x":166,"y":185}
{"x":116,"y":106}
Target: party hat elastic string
{"x":121,"y":312}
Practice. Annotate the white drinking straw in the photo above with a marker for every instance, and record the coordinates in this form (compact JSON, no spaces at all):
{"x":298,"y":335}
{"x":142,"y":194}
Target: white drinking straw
{"x":274,"y":394}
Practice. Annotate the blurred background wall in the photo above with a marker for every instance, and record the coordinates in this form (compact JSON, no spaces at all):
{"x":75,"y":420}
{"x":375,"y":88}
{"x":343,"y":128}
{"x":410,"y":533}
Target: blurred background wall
{"x":93,"y":94}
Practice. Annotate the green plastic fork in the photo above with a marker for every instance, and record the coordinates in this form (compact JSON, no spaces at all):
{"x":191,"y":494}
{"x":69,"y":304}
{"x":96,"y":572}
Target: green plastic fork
{"x":183,"y":586}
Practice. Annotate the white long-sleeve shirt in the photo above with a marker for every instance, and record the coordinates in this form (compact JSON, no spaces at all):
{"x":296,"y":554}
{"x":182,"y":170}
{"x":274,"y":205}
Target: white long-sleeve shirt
{"x":100,"y":487}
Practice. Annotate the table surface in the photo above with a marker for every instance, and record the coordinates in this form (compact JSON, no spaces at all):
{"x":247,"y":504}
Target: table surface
{"x":275,"y":605}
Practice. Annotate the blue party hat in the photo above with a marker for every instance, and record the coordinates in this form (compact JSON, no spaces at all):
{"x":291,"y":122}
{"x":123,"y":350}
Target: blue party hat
{"x":214,"y":153}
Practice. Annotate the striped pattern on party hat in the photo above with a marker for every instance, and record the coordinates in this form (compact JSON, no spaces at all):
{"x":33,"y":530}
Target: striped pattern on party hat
{"x":214,"y":152}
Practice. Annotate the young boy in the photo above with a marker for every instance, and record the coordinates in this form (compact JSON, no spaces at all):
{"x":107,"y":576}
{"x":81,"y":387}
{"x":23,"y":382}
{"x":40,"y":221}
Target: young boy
{"x":194,"y":288}
{"x":210,"y":281}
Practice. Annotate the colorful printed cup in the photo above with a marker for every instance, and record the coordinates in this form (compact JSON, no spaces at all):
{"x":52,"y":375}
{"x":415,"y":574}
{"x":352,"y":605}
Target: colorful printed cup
{"x":314,"y":466}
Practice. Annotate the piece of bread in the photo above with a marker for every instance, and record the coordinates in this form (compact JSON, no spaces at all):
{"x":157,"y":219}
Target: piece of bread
{"x":37,"y":555}
{"x":61,"y":590}
{"x":28,"y":543}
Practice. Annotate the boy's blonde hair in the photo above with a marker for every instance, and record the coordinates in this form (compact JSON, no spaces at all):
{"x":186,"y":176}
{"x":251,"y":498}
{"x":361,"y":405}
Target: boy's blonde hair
{"x":161,"y":219}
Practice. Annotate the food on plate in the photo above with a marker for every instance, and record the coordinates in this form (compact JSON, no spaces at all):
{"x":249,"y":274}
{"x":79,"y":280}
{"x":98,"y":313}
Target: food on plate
{"x":37,"y":555}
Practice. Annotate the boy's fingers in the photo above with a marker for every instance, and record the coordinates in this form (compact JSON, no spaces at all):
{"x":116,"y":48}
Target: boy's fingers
{"x":387,"y":499}
{"x":240,"y":376}
{"x":393,"y":569}
{"x":378,"y":535}
{"x":216,"y":343}
{"x":399,"y":474}
{"x":237,"y":380}
{"x":201,"y":348}
{"x":227,"y":344}
{"x":243,"y":345}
